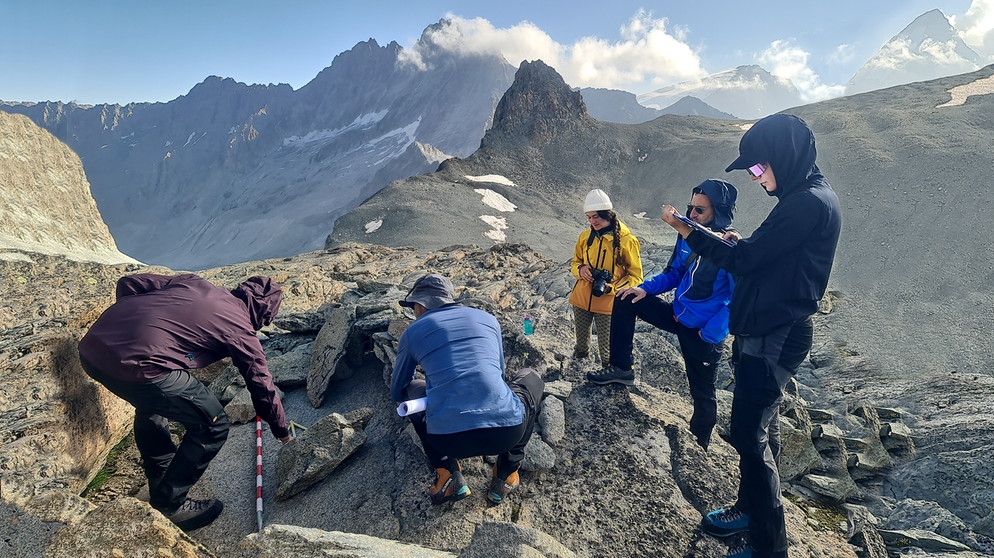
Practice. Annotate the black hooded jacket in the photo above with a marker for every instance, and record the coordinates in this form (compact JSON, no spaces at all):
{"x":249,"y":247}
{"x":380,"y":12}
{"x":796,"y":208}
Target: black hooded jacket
{"x":781,"y":271}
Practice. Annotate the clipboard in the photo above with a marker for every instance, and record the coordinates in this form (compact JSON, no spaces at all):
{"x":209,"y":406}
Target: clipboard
{"x":697,"y":226}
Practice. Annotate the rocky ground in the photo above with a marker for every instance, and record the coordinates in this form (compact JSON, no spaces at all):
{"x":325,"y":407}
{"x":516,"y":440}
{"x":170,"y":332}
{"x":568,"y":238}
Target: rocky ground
{"x":865,"y":467}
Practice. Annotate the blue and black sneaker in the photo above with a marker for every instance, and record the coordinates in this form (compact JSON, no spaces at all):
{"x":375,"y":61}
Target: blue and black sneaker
{"x":740,"y":548}
{"x":725,"y":522}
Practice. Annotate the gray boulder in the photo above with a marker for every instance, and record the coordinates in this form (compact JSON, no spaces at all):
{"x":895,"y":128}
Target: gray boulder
{"x":281,"y":541}
{"x":124,"y":527}
{"x":315,"y":453}
{"x":552,"y":420}
{"x":241,"y":410}
{"x":329,"y":347}
{"x":495,"y":538}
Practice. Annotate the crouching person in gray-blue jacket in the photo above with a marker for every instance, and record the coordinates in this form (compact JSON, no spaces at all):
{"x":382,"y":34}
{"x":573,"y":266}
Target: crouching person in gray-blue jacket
{"x":698,"y":314}
{"x":470,"y":409}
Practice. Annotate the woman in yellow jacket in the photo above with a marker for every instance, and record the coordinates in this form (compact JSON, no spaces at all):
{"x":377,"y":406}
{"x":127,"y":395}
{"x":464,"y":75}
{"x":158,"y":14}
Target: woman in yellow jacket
{"x":606,"y":259}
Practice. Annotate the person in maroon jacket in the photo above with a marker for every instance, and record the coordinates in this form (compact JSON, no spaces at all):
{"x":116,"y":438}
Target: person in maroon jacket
{"x":140,"y":349}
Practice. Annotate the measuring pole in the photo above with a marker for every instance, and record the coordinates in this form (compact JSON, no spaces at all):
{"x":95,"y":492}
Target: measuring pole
{"x":258,"y":470}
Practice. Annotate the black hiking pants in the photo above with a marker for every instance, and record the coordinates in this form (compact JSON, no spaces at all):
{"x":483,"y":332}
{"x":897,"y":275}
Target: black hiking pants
{"x":180,"y":397}
{"x":507,"y":443}
{"x":765,"y":364}
{"x":700,"y":357}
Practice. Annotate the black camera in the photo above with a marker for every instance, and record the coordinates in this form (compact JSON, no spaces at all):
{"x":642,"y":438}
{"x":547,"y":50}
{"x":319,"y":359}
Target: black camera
{"x":602,"y":281}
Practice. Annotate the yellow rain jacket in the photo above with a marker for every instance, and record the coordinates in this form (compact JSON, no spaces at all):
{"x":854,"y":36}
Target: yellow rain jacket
{"x":598,"y":253}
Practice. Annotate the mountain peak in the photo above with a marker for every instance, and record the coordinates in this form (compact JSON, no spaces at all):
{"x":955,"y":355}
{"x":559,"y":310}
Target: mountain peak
{"x":928,"y":48}
{"x":538,"y":106}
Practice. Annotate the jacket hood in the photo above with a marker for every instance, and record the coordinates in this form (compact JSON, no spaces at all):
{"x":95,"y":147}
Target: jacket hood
{"x":787,"y":144}
{"x":722,"y":196}
{"x":262,"y":296}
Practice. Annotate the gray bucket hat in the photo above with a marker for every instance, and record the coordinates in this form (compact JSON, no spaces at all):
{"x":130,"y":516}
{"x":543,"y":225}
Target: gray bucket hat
{"x":431,"y":291}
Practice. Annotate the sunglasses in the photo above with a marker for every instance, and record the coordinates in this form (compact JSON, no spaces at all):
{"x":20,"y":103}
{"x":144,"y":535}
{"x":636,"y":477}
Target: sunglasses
{"x":691,"y":209}
{"x":756,"y":170}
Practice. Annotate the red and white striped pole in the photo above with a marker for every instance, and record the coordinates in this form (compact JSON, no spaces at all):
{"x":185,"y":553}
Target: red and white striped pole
{"x":258,"y":469}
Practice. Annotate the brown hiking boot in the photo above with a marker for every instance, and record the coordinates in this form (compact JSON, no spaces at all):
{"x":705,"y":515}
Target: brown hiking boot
{"x":500,"y":488}
{"x":449,"y":487}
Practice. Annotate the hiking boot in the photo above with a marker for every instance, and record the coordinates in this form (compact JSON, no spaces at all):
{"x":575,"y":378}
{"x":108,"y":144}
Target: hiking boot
{"x":612,"y":375}
{"x":500,"y":488}
{"x":194,"y":514}
{"x":450,"y":487}
{"x":725,"y":522}
{"x":739,"y":548}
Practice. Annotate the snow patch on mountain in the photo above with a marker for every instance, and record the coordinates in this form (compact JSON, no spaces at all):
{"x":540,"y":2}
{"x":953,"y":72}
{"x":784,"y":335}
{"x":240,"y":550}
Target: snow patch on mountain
{"x":494,"y":178}
{"x":495,"y":200}
{"x":393,"y":143}
{"x":961,"y":93}
{"x":361,"y":122}
{"x":498,"y":226}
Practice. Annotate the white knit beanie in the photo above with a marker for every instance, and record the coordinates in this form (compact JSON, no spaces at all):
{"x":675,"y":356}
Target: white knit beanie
{"x":597,"y":200}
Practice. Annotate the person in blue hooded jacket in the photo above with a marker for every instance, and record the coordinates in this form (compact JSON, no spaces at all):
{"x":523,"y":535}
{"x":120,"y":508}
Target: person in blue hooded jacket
{"x":781,"y":272}
{"x":698,"y":314}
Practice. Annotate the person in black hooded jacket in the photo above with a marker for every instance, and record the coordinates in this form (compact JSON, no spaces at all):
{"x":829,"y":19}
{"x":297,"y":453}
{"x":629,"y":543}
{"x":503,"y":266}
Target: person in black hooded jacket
{"x":781,"y":272}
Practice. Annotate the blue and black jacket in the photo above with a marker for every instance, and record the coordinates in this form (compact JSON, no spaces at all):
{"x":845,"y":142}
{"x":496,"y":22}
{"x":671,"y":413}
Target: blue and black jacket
{"x":703,"y":290}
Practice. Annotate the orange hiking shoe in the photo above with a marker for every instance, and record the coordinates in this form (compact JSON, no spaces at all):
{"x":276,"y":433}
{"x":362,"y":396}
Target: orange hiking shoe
{"x":450,"y":487}
{"x":500,"y":488}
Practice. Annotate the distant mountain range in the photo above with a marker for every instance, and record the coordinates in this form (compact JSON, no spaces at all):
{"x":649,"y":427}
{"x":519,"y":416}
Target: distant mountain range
{"x":746,"y":91}
{"x":612,"y":105}
{"x":233,"y":172}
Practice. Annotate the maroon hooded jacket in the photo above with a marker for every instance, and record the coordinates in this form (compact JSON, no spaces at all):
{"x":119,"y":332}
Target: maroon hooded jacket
{"x":162,"y":323}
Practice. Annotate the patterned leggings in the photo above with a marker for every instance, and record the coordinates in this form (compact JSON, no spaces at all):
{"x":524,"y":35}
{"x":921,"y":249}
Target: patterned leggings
{"x":583,"y":319}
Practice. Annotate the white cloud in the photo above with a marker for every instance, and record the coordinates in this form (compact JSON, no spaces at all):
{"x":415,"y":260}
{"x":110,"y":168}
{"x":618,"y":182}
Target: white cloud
{"x":942,"y":52}
{"x":787,"y":61}
{"x":843,"y":55}
{"x":648,"y":54}
{"x":477,"y":36}
{"x":976,"y":27}
{"x":893,"y":55}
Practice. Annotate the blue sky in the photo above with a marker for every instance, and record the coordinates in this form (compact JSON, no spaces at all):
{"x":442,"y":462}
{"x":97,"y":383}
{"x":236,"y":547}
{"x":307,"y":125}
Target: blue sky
{"x":118,"y":52}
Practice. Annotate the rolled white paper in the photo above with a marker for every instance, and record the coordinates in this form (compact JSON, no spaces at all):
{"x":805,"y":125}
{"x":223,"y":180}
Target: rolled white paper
{"x":412,"y":406}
